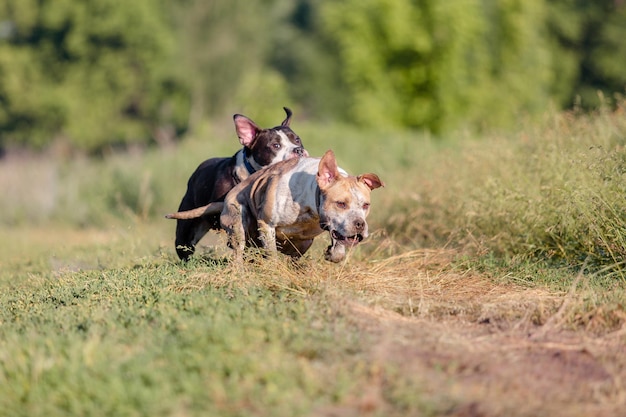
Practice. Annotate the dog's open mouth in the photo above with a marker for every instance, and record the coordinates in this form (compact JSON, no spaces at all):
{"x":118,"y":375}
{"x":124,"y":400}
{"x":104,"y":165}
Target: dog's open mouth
{"x":346,"y":240}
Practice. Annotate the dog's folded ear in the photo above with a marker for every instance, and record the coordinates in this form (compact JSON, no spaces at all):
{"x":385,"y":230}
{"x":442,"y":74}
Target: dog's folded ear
{"x":286,"y":122}
{"x":327,"y":172}
{"x":246,"y":129}
{"x":371,"y":180}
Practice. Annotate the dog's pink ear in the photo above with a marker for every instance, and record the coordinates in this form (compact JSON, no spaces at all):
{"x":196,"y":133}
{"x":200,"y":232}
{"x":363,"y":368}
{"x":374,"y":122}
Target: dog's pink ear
{"x":371,"y":180}
{"x":246,"y":129}
{"x":286,"y":122}
{"x":327,"y":172}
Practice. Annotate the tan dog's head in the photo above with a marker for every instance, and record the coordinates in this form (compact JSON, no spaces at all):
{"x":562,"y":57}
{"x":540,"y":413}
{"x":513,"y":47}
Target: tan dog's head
{"x":344,"y":205}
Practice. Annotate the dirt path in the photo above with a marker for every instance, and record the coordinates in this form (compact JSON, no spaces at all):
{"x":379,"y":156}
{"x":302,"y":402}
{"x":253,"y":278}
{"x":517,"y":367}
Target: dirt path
{"x":478,"y":348}
{"x":488,"y":371}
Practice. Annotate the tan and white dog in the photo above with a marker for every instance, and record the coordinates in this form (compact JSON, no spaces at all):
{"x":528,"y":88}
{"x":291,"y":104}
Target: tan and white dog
{"x":286,"y":205}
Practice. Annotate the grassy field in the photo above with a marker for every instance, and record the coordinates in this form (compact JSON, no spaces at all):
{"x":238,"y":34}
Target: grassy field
{"x":493,"y":284}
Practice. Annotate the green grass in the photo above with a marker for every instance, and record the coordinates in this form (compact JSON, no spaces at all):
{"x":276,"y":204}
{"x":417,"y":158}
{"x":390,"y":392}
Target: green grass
{"x":135,"y":341}
{"x":144,"y":335}
{"x":99,"y":318}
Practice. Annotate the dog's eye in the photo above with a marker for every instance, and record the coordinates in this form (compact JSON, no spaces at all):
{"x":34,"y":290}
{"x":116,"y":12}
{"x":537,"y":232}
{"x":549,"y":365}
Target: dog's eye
{"x":366,"y":206}
{"x":341,"y":204}
{"x":298,"y":141}
{"x":276,"y":145}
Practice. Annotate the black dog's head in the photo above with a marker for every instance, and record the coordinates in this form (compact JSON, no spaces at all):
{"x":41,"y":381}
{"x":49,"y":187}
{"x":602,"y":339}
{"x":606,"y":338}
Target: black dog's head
{"x":264,"y":147}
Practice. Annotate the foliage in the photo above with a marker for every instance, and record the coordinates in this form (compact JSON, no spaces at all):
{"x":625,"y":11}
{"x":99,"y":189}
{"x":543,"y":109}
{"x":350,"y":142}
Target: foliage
{"x":306,"y":56}
{"x":106,"y":72}
{"x":437,"y":64}
{"x":589,"y":54}
{"x":90,"y":73}
{"x":550,"y":192}
{"x":222,"y":47}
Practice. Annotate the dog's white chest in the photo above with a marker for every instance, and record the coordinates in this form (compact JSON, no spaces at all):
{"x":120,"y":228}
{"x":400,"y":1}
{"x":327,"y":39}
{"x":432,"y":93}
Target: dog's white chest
{"x":295,"y":213}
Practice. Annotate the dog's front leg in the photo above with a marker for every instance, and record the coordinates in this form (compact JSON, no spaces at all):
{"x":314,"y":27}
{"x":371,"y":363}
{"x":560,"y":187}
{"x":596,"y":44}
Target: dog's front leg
{"x":267,"y":235}
{"x":232,"y":222}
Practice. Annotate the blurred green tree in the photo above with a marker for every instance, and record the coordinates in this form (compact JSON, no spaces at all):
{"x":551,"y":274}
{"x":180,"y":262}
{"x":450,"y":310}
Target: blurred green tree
{"x":223,"y":47}
{"x":588,"y":45}
{"x":306,"y":56}
{"x":104,"y":72}
{"x":433,"y":64}
{"x":89,"y":73}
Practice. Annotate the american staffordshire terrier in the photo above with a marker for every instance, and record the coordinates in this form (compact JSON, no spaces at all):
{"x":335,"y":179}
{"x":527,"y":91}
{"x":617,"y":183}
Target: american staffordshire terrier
{"x":286,"y":205}
{"x":217,"y":176}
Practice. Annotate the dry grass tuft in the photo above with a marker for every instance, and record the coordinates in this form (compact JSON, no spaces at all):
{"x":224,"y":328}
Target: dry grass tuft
{"x":415,"y":284}
{"x":422,"y":284}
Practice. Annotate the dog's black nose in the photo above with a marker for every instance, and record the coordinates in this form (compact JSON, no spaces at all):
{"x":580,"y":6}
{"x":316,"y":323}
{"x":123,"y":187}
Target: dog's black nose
{"x":300,"y":152}
{"x":359,"y":224}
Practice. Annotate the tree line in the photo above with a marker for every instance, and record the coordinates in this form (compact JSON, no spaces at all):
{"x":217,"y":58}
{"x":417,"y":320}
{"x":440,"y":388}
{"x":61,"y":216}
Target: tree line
{"x":105,"y":73}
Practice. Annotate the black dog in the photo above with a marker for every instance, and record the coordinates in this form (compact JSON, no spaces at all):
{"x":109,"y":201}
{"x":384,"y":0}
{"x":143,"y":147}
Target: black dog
{"x":215,"y":177}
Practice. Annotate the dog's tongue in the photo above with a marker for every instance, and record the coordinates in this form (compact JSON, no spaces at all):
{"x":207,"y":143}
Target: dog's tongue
{"x":345,"y":240}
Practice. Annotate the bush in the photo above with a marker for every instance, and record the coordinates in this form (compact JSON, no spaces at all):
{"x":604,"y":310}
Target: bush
{"x":92,"y":74}
{"x":554,"y":192}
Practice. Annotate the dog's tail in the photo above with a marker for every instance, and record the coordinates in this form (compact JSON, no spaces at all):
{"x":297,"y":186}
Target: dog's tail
{"x":208,"y":210}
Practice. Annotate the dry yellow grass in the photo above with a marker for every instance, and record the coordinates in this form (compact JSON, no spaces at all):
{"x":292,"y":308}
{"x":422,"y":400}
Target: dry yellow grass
{"x":428,"y":284}
{"x":461,"y":336}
